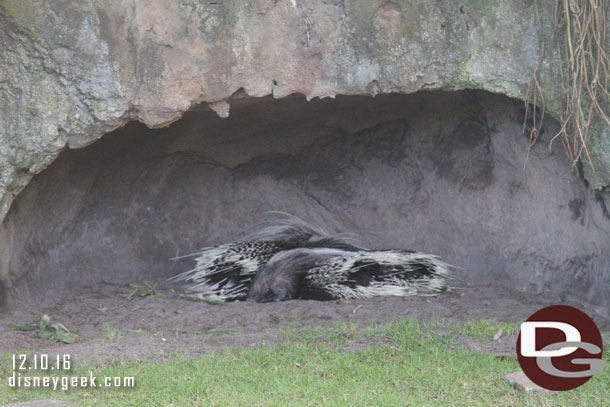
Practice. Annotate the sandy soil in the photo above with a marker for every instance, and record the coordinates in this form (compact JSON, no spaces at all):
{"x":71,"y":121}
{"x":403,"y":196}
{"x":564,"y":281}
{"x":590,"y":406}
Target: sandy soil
{"x":147,"y":327}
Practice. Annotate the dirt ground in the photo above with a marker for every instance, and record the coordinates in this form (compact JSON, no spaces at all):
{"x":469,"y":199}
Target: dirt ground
{"x":147,"y":327}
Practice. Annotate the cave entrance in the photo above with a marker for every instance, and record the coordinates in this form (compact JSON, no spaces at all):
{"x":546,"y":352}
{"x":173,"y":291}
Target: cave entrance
{"x":440,"y":172}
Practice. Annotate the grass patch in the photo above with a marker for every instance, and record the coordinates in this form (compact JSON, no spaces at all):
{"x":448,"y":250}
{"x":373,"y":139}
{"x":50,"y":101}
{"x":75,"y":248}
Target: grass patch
{"x":484,"y":329}
{"x":146,"y":290}
{"x":221,"y":330}
{"x":112,"y":334}
{"x":336,"y":335}
{"x":408,"y":363}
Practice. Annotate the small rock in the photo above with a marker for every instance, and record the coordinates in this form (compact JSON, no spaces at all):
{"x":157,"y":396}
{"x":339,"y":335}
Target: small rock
{"x":221,"y":107}
{"x":521,"y":382}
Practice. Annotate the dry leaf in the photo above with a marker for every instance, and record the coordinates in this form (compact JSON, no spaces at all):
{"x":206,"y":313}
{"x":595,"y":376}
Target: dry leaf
{"x":498,"y":334}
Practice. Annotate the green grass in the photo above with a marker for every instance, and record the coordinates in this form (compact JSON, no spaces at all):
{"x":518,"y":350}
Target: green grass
{"x":406,"y":363}
{"x":112,"y":334}
{"x":336,"y":335}
{"x":145,"y":290}
{"x":484,"y":329}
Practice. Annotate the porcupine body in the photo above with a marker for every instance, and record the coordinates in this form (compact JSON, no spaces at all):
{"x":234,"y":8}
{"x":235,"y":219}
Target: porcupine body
{"x":326,"y":274}
{"x":225,"y":272}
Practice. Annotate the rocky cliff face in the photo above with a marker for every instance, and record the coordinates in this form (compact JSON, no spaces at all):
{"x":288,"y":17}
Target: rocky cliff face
{"x":438,"y":171}
{"x":73,"y":71}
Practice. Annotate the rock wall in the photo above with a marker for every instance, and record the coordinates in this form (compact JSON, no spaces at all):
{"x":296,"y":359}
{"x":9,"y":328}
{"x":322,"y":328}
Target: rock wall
{"x":71,"y":71}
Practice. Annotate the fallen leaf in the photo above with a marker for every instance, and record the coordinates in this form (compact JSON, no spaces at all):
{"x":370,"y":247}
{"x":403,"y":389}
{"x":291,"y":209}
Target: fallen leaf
{"x":498,"y":334}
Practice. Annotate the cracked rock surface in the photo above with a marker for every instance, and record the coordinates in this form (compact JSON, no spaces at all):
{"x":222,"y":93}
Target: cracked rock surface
{"x":73,"y":71}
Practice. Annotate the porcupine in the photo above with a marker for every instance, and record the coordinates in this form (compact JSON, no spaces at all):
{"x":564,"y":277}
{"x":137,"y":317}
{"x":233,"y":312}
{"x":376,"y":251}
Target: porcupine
{"x":327,"y":274}
{"x":225,"y":272}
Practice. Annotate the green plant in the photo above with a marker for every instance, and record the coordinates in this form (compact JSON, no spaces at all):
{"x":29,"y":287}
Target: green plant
{"x":146,"y":290}
{"x":111,"y":334}
{"x":56,"y":332}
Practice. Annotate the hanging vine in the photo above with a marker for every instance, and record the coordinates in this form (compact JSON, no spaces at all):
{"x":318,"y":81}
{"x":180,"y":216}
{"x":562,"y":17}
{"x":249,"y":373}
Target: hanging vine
{"x":584,"y":69}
